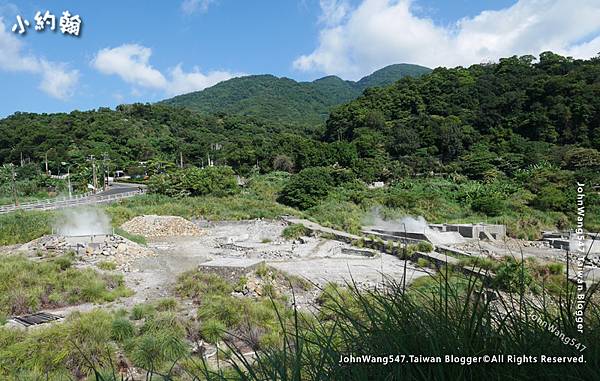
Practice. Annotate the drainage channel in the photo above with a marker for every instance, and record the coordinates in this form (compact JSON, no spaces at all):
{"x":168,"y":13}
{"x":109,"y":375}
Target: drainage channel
{"x":35,"y":319}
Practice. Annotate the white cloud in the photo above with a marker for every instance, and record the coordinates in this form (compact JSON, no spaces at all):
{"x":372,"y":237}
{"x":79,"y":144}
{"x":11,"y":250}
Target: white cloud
{"x":182,"y":82}
{"x":131,"y":62}
{"x":192,"y":6}
{"x":333,"y":11}
{"x":381,"y":32}
{"x":57,"y":80}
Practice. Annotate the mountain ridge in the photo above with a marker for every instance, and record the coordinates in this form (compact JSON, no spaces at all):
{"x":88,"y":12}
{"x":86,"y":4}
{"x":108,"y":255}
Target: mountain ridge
{"x":285,"y":100}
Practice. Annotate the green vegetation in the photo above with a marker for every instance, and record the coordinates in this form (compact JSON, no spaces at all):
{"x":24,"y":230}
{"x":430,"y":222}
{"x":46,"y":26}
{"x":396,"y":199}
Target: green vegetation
{"x":437,"y":312}
{"x":30,"y":184}
{"x":454,"y":145}
{"x":221,"y":313}
{"x":215,"y":181}
{"x":91,"y":346}
{"x":21,"y":227}
{"x":27,"y":286}
{"x":132,"y":237}
{"x":285,"y":101}
{"x":294,"y":231}
{"x":107,"y":265}
{"x":422,"y":262}
{"x":425,"y":247}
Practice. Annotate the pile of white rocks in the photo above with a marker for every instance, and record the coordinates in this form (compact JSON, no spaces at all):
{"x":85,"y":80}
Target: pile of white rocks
{"x":161,"y":226}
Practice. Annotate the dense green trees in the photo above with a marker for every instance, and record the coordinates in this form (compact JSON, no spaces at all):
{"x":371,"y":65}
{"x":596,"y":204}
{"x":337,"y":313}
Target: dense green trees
{"x":193,"y":181}
{"x":534,"y":123}
{"x":311,"y":185}
{"x":486,"y":117}
{"x":301,"y":105}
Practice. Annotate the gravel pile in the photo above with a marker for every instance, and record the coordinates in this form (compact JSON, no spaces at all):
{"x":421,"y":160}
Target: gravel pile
{"x":91,"y":249}
{"x":161,"y":226}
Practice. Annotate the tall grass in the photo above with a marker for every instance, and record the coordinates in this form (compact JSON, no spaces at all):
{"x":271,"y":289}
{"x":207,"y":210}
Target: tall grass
{"x":26,"y":286}
{"x":446,"y":318}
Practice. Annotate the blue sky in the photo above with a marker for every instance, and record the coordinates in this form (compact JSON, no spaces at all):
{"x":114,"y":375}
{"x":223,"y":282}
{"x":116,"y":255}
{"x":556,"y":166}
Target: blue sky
{"x":144,"y":51}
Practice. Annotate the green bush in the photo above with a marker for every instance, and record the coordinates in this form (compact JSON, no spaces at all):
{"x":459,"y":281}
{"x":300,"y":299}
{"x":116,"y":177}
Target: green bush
{"x":513,"y":276}
{"x":555,"y":268}
{"x":142,"y":311}
{"x":424,"y":247}
{"x":294,"y":231}
{"x":166,"y":304}
{"x":107,"y":265}
{"x":217,"y":181}
{"x":213,"y":330}
{"x":490,"y":204}
{"x":307,"y":188}
{"x":196,"y":284}
{"x":422,"y":262}
{"x":122,"y":329}
{"x":26,"y":286}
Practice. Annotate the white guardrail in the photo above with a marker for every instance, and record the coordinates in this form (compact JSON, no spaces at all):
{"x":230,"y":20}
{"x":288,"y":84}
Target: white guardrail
{"x":66,"y":202}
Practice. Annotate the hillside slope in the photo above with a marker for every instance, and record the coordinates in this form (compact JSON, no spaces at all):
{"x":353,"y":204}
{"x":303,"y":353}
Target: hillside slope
{"x":285,"y":101}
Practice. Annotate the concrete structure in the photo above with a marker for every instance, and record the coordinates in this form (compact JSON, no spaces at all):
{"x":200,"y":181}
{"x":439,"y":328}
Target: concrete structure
{"x":570,"y":241}
{"x":411,"y":237}
{"x":474,"y":231}
{"x":231,"y":268}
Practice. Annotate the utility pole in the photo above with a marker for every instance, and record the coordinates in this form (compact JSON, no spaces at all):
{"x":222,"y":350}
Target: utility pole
{"x":14,"y":185}
{"x":94,"y":176}
{"x":180,"y":159}
{"x":47,"y":173}
{"x":105,"y":173}
{"x":69,"y":179}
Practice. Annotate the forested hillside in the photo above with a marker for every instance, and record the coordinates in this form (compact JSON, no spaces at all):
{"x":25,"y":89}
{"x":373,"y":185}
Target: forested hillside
{"x":483,"y":121}
{"x":284,"y":100}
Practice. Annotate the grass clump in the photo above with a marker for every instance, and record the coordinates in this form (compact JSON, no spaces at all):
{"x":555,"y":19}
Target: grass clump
{"x":27,"y":286}
{"x":294,"y":231}
{"x":422,"y":262}
{"x":424,"y":247}
{"x":21,"y":227}
{"x":142,"y":311}
{"x":196,"y":284}
{"x":140,"y":239}
{"x":166,"y":304}
{"x":107,"y":265}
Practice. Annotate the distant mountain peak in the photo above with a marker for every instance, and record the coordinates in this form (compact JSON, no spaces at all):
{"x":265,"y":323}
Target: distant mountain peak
{"x":285,"y":100}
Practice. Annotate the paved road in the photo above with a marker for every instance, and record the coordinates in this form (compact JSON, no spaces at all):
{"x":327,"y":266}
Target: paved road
{"x":117,"y":188}
{"x":116,"y":192}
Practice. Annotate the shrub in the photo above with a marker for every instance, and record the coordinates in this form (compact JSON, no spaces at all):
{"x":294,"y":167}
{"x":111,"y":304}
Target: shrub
{"x":122,"y":329}
{"x":213,"y":330}
{"x":262,"y":270}
{"x":307,"y":188}
{"x":513,"y":275}
{"x":107,"y":265}
{"x":196,"y":284}
{"x":142,"y":311}
{"x":422,"y":262}
{"x":551,"y":198}
{"x":555,"y":268}
{"x":490,"y":204}
{"x":64,"y":262}
{"x":424,"y":247}
{"x":217,"y":181}
{"x":294,"y":231}
{"x":166,"y":304}
{"x":26,"y":286}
